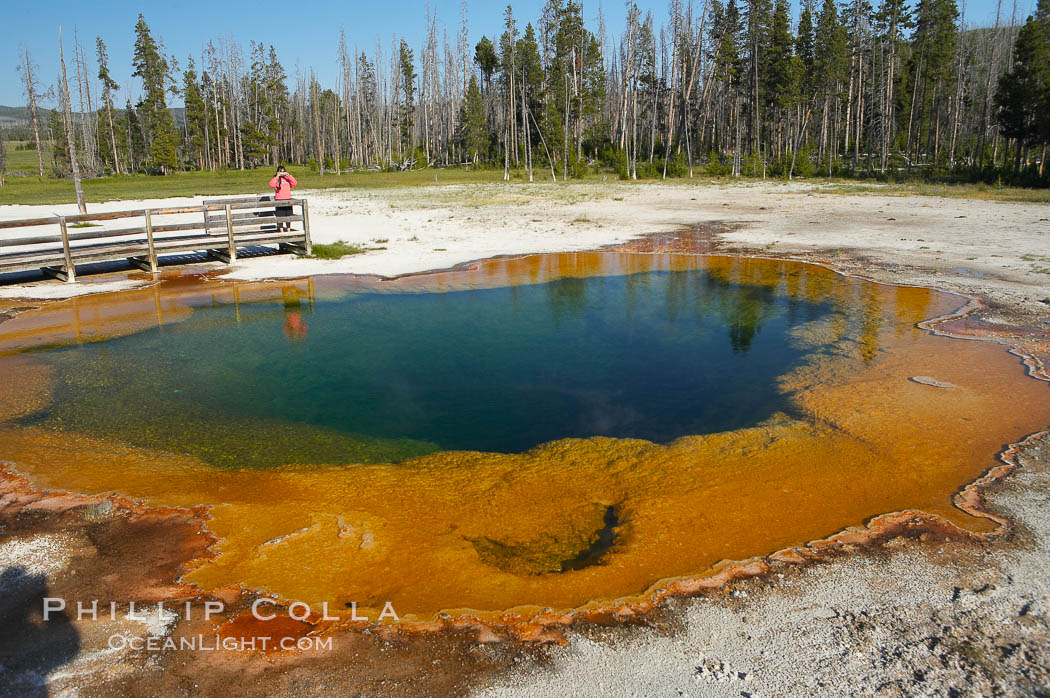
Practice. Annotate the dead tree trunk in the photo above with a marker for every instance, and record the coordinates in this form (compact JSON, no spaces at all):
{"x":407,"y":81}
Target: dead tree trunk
{"x":30,"y":87}
{"x":70,"y":134}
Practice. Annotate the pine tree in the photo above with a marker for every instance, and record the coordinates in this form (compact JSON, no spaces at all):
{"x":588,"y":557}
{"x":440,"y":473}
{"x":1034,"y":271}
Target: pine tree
{"x":196,"y":115}
{"x":277,"y":102}
{"x":780,"y":69}
{"x":486,"y":59}
{"x":60,"y":163}
{"x":508,"y":66}
{"x":561,"y":80}
{"x":259,"y":123}
{"x":726,"y":29}
{"x":592,"y":97}
{"x":136,"y":140}
{"x":830,"y":65}
{"x":759,"y":17}
{"x":157,"y":123}
{"x":530,"y":85}
{"x":576,"y":81}
{"x":368,"y":96}
{"x":805,"y":45}
{"x":211,"y":139}
{"x":934,"y":45}
{"x":1042,"y":68}
{"x":530,"y":69}
{"x":891,"y":20}
{"x":1023,"y":96}
{"x":475,"y":132}
{"x":408,"y":94}
{"x":108,"y":87}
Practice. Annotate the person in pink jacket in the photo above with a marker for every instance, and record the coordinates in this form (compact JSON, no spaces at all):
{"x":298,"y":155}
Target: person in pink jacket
{"x":282,"y":184}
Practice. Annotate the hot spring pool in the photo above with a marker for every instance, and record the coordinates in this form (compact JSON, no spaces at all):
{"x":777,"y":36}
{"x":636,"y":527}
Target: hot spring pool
{"x":549,"y":432}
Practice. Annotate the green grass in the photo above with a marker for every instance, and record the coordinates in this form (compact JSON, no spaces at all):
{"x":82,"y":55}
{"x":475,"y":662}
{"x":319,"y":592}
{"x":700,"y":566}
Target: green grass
{"x":336,"y":250}
{"x":36,"y":190}
{"x":46,"y":190}
{"x":984,"y":192}
{"x":21,"y":160}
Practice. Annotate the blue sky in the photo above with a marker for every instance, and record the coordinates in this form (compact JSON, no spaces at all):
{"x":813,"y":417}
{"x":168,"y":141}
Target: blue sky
{"x":307,"y":32}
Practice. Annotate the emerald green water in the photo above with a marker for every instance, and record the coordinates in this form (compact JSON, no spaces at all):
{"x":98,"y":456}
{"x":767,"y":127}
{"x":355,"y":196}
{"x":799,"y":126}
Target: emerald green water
{"x":384,"y":377}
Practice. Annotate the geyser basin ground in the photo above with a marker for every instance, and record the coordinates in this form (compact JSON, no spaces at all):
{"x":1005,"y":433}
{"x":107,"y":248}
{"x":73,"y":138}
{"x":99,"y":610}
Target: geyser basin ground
{"x":767,"y":403}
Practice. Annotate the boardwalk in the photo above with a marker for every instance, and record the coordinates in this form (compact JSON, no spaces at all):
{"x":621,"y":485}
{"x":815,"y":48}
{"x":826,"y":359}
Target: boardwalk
{"x":219,"y":229}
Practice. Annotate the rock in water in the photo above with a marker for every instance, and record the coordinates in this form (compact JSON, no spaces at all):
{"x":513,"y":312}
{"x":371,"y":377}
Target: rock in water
{"x":926,"y":380}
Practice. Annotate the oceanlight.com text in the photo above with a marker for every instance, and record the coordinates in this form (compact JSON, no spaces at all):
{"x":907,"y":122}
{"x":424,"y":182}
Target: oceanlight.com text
{"x":213,"y":643}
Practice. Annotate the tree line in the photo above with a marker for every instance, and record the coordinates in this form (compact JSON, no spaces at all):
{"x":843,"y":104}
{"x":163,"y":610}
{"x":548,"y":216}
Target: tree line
{"x":733,"y":87}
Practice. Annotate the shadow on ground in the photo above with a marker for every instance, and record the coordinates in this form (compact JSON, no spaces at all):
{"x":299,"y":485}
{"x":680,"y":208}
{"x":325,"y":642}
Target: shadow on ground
{"x":123,"y":266}
{"x":30,"y":647}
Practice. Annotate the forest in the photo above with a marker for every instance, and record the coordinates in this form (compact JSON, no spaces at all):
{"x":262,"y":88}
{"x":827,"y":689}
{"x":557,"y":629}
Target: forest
{"x":714,"y":88}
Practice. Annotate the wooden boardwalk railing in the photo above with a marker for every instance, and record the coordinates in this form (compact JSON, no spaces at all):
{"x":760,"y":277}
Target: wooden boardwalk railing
{"x":238,"y":223}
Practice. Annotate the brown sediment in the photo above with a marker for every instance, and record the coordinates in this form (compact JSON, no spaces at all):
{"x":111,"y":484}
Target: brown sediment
{"x":128,"y":551}
{"x":702,"y":238}
{"x":465,"y":540}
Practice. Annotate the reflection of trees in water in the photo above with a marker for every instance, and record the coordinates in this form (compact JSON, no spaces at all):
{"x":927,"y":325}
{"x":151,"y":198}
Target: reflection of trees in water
{"x":567,"y":297}
{"x":677,"y":292}
{"x":745,"y":314}
{"x":746,"y":293}
{"x":635,"y":286}
{"x":30,"y":647}
{"x":743,"y":295}
{"x":870,"y":324}
{"x":745,"y":325}
{"x":912,"y":307}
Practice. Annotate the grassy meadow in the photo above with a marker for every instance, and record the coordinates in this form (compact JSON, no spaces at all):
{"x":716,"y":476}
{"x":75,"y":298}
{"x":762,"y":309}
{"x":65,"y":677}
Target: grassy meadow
{"x":29,"y":189}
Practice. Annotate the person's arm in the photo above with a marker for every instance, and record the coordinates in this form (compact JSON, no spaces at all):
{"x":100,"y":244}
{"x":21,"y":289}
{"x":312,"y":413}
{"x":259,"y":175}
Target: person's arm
{"x":275,"y":183}
{"x":291,"y":180}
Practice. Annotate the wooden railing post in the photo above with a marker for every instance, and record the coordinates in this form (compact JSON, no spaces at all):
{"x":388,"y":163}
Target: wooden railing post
{"x":71,"y":270}
{"x":306,"y":228}
{"x":149,"y":243}
{"x":229,"y":233}
{"x":206,"y":230}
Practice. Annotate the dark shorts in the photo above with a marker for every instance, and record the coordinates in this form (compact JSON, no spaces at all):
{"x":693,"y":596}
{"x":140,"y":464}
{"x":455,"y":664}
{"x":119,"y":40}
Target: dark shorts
{"x":284,"y":211}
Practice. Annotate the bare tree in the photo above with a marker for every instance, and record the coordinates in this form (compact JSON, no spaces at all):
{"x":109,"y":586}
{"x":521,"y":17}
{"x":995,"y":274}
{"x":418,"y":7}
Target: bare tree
{"x":67,"y":113}
{"x":88,"y":122}
{"x":33,"y":94}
